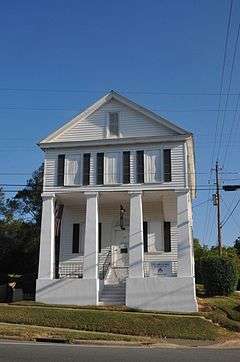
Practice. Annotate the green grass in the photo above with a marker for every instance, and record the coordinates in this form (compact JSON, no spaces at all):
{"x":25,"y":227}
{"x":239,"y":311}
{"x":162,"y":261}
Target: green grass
{"x":223,"y":310}
{"x":27,"y":332}
{"x":116,"y":322}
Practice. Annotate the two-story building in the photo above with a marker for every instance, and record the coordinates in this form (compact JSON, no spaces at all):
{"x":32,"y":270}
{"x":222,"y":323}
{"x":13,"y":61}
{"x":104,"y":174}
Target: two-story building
{"x":117,"y":210}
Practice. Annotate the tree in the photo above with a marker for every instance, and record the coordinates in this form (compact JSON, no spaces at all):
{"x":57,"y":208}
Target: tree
{"x":20,"y":222}
{"x":27,"y":202}
{"x":237,"y":246}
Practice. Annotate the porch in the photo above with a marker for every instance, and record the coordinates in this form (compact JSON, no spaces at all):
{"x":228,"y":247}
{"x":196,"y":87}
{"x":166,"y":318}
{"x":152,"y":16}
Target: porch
{"x":122,"y":239}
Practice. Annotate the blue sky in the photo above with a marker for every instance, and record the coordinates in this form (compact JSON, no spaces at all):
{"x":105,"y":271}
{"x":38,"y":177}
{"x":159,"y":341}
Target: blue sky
{"x":57,"y":57}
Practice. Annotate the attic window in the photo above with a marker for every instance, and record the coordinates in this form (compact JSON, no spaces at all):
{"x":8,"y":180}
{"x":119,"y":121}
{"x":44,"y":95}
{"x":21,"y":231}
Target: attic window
{"x":113,"y":124}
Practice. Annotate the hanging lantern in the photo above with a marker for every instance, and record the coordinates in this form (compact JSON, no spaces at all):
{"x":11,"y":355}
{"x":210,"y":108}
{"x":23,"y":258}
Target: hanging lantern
{"x":122,"y":212}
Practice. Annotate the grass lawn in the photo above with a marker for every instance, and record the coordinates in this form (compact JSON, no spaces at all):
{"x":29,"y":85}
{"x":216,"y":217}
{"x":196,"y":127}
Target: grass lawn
{"x":29,"y":333}
{"x":222,"y":310}
{"x":136,"y":324}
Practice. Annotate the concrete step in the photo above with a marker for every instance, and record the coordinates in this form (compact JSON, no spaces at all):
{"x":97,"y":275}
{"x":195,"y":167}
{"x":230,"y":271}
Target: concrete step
{"x":113,"y":294}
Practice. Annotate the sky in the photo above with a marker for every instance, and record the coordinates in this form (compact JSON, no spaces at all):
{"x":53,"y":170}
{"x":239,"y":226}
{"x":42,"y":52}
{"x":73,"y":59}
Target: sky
{"x":58,"y":57}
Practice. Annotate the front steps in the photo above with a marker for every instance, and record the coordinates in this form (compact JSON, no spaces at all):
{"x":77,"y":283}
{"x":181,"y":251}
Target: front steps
{"x":113,"y":294}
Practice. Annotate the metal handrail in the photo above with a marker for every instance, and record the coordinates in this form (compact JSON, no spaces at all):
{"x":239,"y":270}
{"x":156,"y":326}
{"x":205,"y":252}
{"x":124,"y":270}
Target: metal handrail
{"x":106,"y":264}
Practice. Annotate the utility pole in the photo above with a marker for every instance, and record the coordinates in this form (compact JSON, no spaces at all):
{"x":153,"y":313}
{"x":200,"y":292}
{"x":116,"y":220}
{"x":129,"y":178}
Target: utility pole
{"x":218,"y":202}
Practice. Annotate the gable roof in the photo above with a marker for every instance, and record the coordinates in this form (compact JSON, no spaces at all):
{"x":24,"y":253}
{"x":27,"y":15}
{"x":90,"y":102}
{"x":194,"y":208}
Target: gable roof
{"x":125,"y":101}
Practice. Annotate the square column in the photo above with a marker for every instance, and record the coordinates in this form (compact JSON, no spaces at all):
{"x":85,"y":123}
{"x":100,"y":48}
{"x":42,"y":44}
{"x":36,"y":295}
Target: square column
{"x":136,"y":254}
{"x":90,"y":265}
{"x":185,"y":238}
{"x":47,"y":240}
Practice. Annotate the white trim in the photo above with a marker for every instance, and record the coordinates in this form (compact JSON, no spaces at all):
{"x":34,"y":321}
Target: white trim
{"x":116,"y":141}
{"x":121,"y":99}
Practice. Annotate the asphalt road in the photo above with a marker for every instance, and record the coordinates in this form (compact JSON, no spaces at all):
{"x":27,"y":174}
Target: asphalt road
{"x":48,"y":352}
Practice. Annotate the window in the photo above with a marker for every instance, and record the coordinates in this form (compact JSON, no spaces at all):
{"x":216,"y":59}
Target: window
{"x":111,"y":168}
{"x":113,"y":124}
{"x":73,"y":170}
{"x":140,"y":166}
{"x":60,"y":170}
{"x":167,"y":165}
{"x":86,"y":168}
{"x":100,"y":168}
{"x":126,"y":167}
{"x":152,"y":166}
{"x":167,"y":236}
{"x":155,"y":236}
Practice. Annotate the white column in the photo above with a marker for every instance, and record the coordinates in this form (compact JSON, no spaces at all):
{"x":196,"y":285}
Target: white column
{"x":47,"y":240}
{"x":136,"y":254}
{"x":90,"y":265}
{"x":185,"y":242}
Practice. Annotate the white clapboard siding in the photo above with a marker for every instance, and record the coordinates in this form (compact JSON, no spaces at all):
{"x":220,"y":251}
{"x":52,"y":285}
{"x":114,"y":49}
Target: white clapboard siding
{"x":111,"y":168}
{"x":177,"y":155}
{"x":109,"y":217}
{"x":72,"y":175}
{"x":71,"y":216}
{"x":131,"y":124}
{"x":152,"y":166}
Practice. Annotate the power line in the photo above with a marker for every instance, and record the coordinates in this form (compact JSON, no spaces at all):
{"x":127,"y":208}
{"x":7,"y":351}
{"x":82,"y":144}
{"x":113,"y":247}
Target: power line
{"x":227,"y":218}
{"x":127,"y":91}
{"x":76,"y":109}
{"x":229,"y":87}
{"x":201,"y":203}
{"x":207,"y":218}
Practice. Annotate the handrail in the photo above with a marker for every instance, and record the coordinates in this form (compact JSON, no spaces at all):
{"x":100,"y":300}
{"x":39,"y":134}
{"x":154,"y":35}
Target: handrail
{"x":106,"y":264}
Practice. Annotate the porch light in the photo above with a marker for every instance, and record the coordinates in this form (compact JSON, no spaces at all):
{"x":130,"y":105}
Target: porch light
{"x":122,"y":212}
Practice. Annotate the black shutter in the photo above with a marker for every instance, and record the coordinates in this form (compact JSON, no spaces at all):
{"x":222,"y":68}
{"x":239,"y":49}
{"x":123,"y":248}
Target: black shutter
{"x":75,"y":238}
{"x":167,"y":165}
{"x":99,"y":237}
{"x":126,"y":167}
{"x":140,"y":167}
{"x":145,"y":236}
{"x":100,"y":167}
{"x":167,"y":236}
{"x":86,"y":168}
{"x":60,"y":170}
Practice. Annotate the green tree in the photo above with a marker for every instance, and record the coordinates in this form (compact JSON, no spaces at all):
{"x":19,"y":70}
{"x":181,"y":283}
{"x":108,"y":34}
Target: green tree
{"x":20,"y":222}
{"x":27,"y":203}
{"x":237,"y":246}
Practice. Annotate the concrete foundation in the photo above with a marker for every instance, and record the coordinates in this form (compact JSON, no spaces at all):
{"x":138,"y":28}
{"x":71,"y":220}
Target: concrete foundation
{"x":174,"y":294}
{"x":67,"y":291}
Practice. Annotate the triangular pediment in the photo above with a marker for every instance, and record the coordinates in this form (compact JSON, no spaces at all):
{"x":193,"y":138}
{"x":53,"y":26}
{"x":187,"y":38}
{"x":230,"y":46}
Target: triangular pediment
{"x":135,"y":122}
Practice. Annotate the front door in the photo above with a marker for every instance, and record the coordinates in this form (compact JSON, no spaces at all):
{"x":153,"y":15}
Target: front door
{"x":120,"y":248}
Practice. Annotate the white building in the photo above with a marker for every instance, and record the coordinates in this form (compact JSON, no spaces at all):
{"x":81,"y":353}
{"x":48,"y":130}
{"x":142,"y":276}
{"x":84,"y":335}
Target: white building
{"x":117,"y":217}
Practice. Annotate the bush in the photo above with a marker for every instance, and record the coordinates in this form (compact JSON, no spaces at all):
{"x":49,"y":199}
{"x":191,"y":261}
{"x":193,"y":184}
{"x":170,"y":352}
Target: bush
{"x":3,"y":278}
{"x":220,"y":275}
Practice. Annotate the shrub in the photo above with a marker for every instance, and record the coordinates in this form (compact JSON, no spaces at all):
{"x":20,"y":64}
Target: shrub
{"x":220,"y":275}
{"x":3,"y":278}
